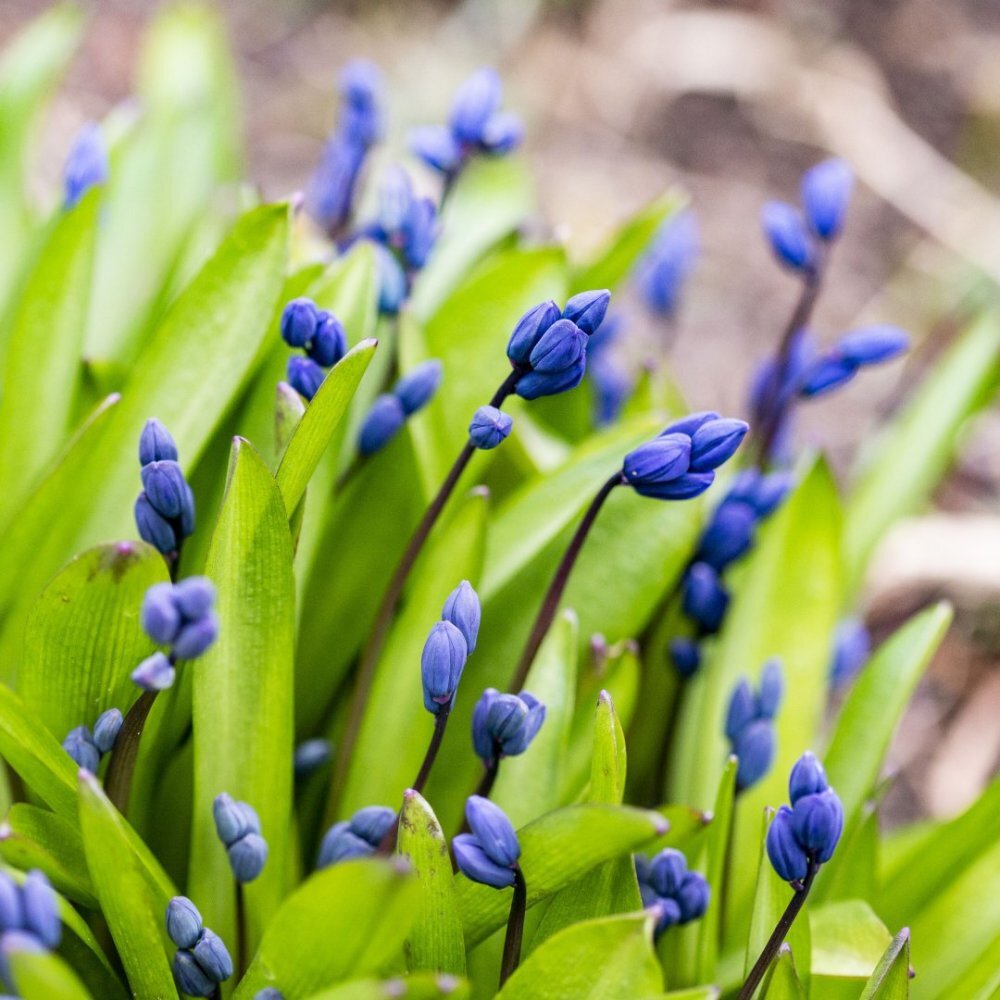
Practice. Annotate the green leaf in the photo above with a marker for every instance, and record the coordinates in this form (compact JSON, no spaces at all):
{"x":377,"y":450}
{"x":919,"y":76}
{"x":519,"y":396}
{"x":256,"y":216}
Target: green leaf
{"x":602,"y":959}
{"x":342,"y":922}
{"x":891,"y":978}
{"x":784,"y":983}
{"x":422,"y":986}
{"x":242,"y":694}
{"x":134,"y":912}
{"x":910,"y":456}
{"x":848,"y":939}
{"x":84,"y":638}
{"x":45,"y":977}
{"x":39,"y":395}
{"x":435,"y":942}
{"x":555,"y":851}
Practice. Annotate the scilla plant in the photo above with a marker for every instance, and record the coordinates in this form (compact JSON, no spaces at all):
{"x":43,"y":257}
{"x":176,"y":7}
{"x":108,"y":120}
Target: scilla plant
{"x":376,"y":622}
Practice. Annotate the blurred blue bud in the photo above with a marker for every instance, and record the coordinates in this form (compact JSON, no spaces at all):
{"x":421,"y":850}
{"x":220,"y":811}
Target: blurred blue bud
{"x":361,"y":92}
{"x":691,"y":484}
{"x":382,"y":424}
{"x":86,"y":165}
{"x":463,"y":610}
{"x":612,"y":387}
{"x":41,"y":909}
{"x":160,"y":617}
{"x":79,"y":744}
{"x":827,"y":373}
{"x":502,"y":133}
{"x":788,"y":235}
{"x":416,"y":389}
{"x":771,"y":690}
{"x":729,"y":534}
{"x":872,"y":345}
{"x":716,"y":442}
{"x":184,"y":923}
{"x":329,"y":343}
{"x":419,"y":232}
{"x":685,"y":656}
{"x":476,"y":101}
{"x":851,"y":649}
{"x":662,"y":271}
{"x":475,"y":864}
{"x":441,"y":664}
{"x":304,"y":376}
{"x":106,"y":730}
{"x":817,"y":822}
{"x":489,"y":427}
{"x":826,"y":191}
{"x":771,"y":491}
{"x":233,"y":819}
{"x":656,"y":462}
{"x":558,"y":349}
{"x":311,"y":755}
{"x":11,"y":904}
{"x":395,"y":195}
{"x":437,"y":147}
{"x":691,"y":424}
{"x":247,"y":857}
{"x":391,"y":281}
{"x":194,"y":597}
{"x":269,"y":993}
{"x":156,"y":444}
{"x":529,"y":330}
{"x":155,"y":673}
{"x":705,"y":598}
{"x":372,"y":823}
{"x":190,"y":977}
{"x":166,"y":488}
{"x":787,"y":857}
{"x":534,"y":385}
{"x":754,"y":747}
{"x":742,"y":710}
{"x":493,"y":830}
{"x":668,"y":911}
{"x":299,"y":320}
{"x":693,"y":897}
{"x":340,"y":844}
{"x":667,"y":871}
{"x":807,"y":777}
{"x":13,"y":942}
{"x":195,"y":638}
{"x":330,"y":195}
{"x":213,"y":957}
{"x":588,"y":309}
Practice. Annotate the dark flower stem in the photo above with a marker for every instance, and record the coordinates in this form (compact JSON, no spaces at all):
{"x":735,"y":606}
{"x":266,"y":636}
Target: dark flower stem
{"x":778,"y":935}
{"x":121,"y":767}
{"x":485,"y":785}
{"x":241,"y":932}
{"x":553,"y":595}
{"x":390,"y":601}
{"x":515,"y":927}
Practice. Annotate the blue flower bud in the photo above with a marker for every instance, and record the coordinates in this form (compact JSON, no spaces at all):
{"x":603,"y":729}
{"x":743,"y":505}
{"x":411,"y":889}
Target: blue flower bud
{"x":160,"y":617}
{"x":382,"y":424}
{"x":692,"y":897}
{"x":668,"y":912}
{"x":194,"y":597}
{"x":195,"y":638}
{"x":475,"y":864}
{"x":493,"y":831}
{"x":729,"y":534}
{"x":661,"y":272}
{"x":437,"y":147}
{"x":304,"y":376}
{"x":826,"y":374}
{"x":612,"y":386}
{"x":690,"y":424}
{"x":560,"y":348}
{"x":588,"y":309}
{"x":329,"y":342}
{"x":754,"y":746}
{"x":514,"y":741}
{"x":686,"y":656}
{"x":184,"y":923}
{"x":763,"y":493}
{"x":391,"y":282}
{"x":505,"y":724}
{"x":13,"y":942}
{"x":269,"y":993}
{"x":41,"y":909}
{"x":772,"y":688}
{"x":463,"y":610}
{"x":187,"y":512}
{"x":86,"y":165}
{"x":247,"y":857}
{"x":441,"y":664}
{"x":529,"y":330}
{"x":416,"y":389}
{"x":482,"y":735}
{"x":534,"y":385}
{"x":79,"y":744}
{"x":420,"y":232}
{"x":106,"y":730}
{"x":395,"y":196}
{"x":213,"y":957}
{"x":851,"y":649}
{"x":871,"y":345}
{"x":502,"y":133}
{"x":787,"y":857}
{"x":476,"y":100}
{"x":705,"y":598}
{"x":11,"y":904}
{"x":340,"y":844}
{"x":667,"y":871}
{"x":656,"y":462}
{"x":233,"y":819}
{"x":715,"y":442}
{"x":807,"y":778}
{"x":330,"y":195}
{"x":372,"y":823}
{"x":155,"y":673}
{"x":189,"y":976}
{"x":489,"y":427}
{"x":299,"y":320}
{"x":165,"y":485}
{"x":817,"y":822}
{"x":692,"y":484}
{"x":742,"y":710}
{"x":311,"y":755}
{"x":790,"y":240}
{"x":826,"y":191}
{"x":361,"y":90}
{"x":156,"y":444}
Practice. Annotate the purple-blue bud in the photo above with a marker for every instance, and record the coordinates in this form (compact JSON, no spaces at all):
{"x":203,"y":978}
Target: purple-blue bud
{"x":529,"y":330}
{"x":247,"y":857}
{"x":771,"y":690}
{"x":535,"y":384}
{"x":190,"y":977}
{"x":382,"y":424}
{"x":807,"y":778}
{"x":668,"y":911}
{"x":516,"y":742}
{"x":475,"y":864}
{"x":489,"y":427}
{"x":86,"y":165}
{"x":361,"y":92}
{"x":693,"y":897}
{"x":304,"y":376}
{"x":754,"y":747}
{"x":11,"y":904}
{"x":329,"y":343}
{"x":184,"y":923}
{"x":851,"y":649}
{"x":79,"y":744}
{"x":106,"y":729}
{"x":716,"y":442}
{"x":330,"y":195}
{"x":391,"y":281}
{"x":372,"y":823}
{"x":817,"y":822}
{"x":705,"y":598}
{"x":690,"y":424}
{"x":588,"y":309}
{"x":685,"y":656}
{"x":661,"y":272}
{"x":667,"y":871}
{"x":196,"y":637}
{"x":502,"y":133}
{"x":771,"y":491}
{"x":420,"y":232}
{"x":441,"y":664}
{"x":311,"y":755}
{"x":560,"y":348}
{"x":691,"y":484}
{"x":160,"y":616}
{"x":155,"y":673}
{"x":194,"y":597}
{"x":165,"y":488}
{"x":269,"y":993}
{"x":826,"y":191}
{"x":827,"y":373}
{"x":213,"y":957}
{"x":787,"y":857}
{"x":656,"y":462}
{"x":476,"y":101}
{"x":482,"y":737}
{"x":41,"y":909}
{"x":340,"y":844}
{"x":233,"y":819}
{"x":742,"y":710}
{"x":729,"y":534}
{"x":505,"y":724}
{"x":872,"y":345}
{"x":416,"y":389}
{"x":437,"y":147}
{"x":493,"y":830}
{"x":299,"y":320}
{"x":789,"y":238}
{"x":463,"y":610}
{"x":394,"y":198}
{"x":612,"y":387}
{"x":156,"y":444}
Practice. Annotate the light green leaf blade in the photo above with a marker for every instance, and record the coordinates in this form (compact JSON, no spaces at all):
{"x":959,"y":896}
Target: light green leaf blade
{"x":435,"y":943}
{"x":848,"y":940}
{"x":784,"y":983}
{"x":45,"y":976}
{"x":242,"y":694}
{"x":890,"y":979}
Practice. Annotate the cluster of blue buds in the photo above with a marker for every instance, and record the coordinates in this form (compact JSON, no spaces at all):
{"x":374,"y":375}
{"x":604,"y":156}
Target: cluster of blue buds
{"x":870,"y":345}
{"x":450,"y":643}
{"x":677,"y":895}
{"x":238,"y":827}
{"x":729,"y":535}
{"x":805,"y":836}
{"x":330,"y":197}
{"x":612,"y":382}
{"x":476,"y":125}
{"x":549,"y":347}
{"x":392,"y":409}
{"x":310,"y":756}
{"x":357,"y":837}
{"x":29,"y":918}
{"x":662,"y":270}
{"x":503,"y":725}
{"x":852,"y":645}
{"x":750,"y":724}
{"x":202,"y":960}
{"x":86,"y":165}
{"x":320,"y":334}
{"x":489,"y":854}
{"x":681,"y":462}
{"x":181,"y":616}
{"x":86,"y":747}
{"x":490,"y":427}
{"x":164,"y":510}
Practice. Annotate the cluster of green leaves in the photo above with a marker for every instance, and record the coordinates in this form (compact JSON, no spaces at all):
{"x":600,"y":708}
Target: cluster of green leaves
{"x":159,"y":295}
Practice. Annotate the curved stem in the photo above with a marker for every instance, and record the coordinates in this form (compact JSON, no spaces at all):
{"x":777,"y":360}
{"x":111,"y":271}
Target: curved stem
{"x":515,"y":927}
{"x":553,"y":595}
{"x":121,"y":767}
{"x":778,"y":935}
{"x":241,"y":932}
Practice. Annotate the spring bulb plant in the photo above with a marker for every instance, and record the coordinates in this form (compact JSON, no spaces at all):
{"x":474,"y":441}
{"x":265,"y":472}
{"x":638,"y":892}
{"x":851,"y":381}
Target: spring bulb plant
{"x":481,"y":670}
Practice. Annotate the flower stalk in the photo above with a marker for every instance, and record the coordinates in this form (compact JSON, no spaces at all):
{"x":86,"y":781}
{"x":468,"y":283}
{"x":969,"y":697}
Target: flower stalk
{"x":121,"y":767}
{"x":515,"y":927}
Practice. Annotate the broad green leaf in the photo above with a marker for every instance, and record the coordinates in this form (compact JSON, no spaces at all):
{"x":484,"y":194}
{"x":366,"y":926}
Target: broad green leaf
{"x":242,"y":694}
{"x":555,"y":851}
{"x":39,"y":393}
{"x":435,"y":942}
{"x":45,"y":976}
{"x":604,"y":959}
{"x":289,"y":408}
{"x":342,"y":922}
{"x":891,"y":978}
{"x":853,"y":871}
{"x":695,"y":993}
{"x":909,"y":457}
{"x":422,"y":986}
{"x":848,"y":941}
{"x":83,"y":637}
{"x":784,"y":983}
{"x":134,"y":912}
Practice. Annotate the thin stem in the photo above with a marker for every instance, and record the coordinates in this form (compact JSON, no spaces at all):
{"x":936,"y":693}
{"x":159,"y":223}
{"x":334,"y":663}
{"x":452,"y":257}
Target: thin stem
{"x":485,"y":786}
{"x":241,"y":932}
{"x":121,"y":767}
{"x":778,"y":935}
{"x":390,"y":601}
{"x":553,"y":595}
{"x":515,"y":927}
